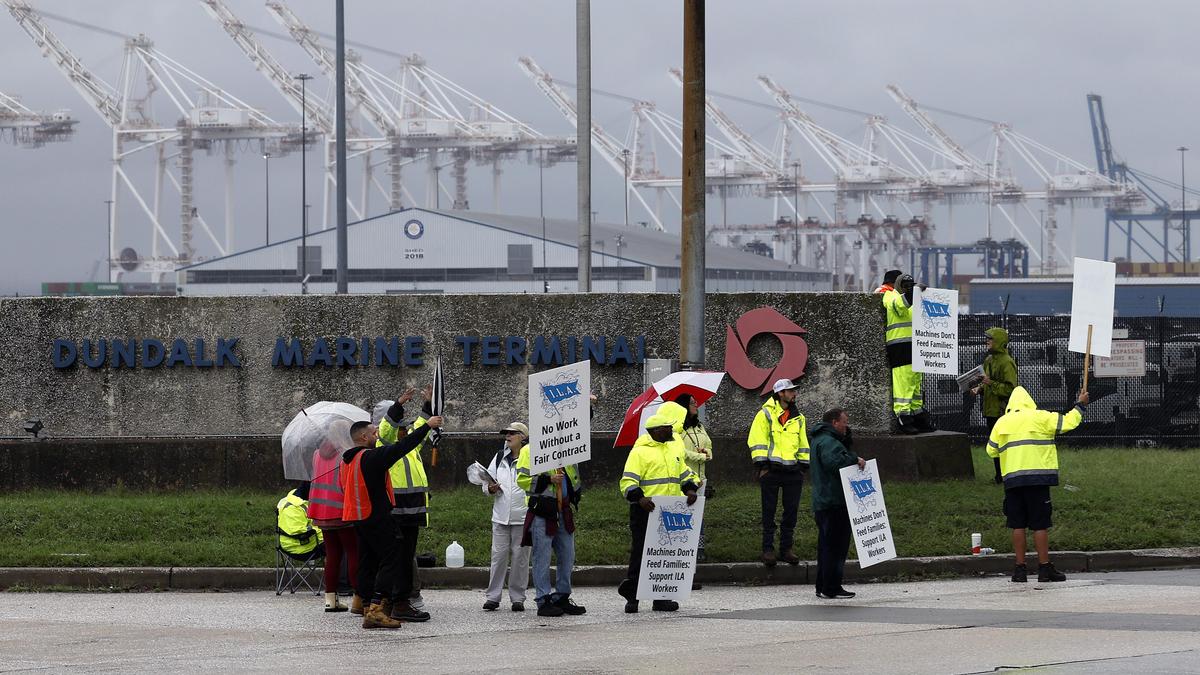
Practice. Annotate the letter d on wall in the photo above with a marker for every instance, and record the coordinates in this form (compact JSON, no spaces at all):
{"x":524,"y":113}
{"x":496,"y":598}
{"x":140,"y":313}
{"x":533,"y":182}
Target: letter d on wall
{"x":64,"y":353}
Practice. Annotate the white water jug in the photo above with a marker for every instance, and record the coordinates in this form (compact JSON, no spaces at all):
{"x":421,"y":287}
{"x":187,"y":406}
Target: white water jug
{"x":454,"y":555}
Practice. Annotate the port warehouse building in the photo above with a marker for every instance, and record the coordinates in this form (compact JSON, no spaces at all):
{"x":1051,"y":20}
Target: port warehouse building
{"x":418,"y":250}
{"x":1135,"y":296}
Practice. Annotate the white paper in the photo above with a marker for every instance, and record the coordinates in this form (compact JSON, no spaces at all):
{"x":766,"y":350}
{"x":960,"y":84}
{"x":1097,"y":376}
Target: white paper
{"x":669,"y":549}
{"x":478,"y":474}
{"x":935,"y":331}
{"x":1093,"y":293}
{"x":560,"y":427}
{"x":869,"y":524}
{"x":1128,"y":359}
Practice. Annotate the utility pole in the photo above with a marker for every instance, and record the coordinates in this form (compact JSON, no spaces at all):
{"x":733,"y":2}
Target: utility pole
{"x":343,"y":285}
{"x":583,"y":128}
{"x":1187,"y":234}
{"x":542,"y":215}
{"x":625,"y":162}
{"x":796,"y":212}
{"x":267,"y":192}
{"x":109,"y":211}
{"x":691,"y":259}
{"x":304,"y":78}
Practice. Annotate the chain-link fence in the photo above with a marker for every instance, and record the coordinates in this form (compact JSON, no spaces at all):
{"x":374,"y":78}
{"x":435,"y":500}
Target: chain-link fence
{"x":1161,"y":407}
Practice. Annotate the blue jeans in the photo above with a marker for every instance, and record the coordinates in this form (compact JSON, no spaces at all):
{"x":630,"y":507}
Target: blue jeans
{"x":563,"y":544}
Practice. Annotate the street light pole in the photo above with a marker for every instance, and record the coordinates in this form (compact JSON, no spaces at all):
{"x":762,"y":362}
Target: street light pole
{"x":625,"y":161}
{"x":304,"y":78}
{"x":542,"y":215}
{"x":1187,"y":235}
{"x":989,"y":202}
{"x":267,"y":171}
{"x":108,"y":210}
{"x":796,"y":212}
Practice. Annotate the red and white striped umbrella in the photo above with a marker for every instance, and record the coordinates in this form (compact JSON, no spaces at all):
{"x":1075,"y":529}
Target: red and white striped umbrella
{"x":701,"y":384}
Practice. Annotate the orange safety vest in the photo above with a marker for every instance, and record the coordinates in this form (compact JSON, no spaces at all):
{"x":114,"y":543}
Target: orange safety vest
{"x":357,"y":505}
{"x":325,"y":495}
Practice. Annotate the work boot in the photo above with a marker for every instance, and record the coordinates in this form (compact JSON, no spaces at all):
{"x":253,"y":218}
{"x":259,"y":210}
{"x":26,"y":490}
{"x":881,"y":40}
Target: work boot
{"x":631,"y":606}
{"x":404,"y":611}
{"x":491,"y":606}
{"x":665,"y":606}
{"x":768,"y":557}
{"x":356,"y":605}
{"x":924,"y":422}
{"x":1020,"y":575}
{"x":385,"y":606}
{"x":1046,"y":572}
{"x":518,"y":607}
{"x":332,"y":604}
{"x":549,"y":609}
{"x":907,"y":424}
{"x":568,"y":606}
{"x":790,"y":558}
{"x":375,"y":618}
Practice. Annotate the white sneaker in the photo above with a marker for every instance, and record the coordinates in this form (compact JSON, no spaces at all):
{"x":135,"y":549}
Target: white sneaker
{"x":417,"y":602}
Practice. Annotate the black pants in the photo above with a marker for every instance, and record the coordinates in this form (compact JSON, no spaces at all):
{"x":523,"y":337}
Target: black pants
{"x":378,"y":559}
{"x":639,"y":519}
{"x":833,"y":543}
{"x":991,"y":422}
{"x":406,"y":549}
{"x":770,"y":485}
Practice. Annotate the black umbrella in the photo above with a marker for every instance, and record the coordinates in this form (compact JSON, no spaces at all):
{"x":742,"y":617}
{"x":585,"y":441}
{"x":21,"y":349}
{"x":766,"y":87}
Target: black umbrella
{"x":436,"y":402}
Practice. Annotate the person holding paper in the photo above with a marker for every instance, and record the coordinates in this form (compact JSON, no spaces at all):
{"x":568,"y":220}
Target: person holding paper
{"x":999,"y":381}
{"x":1023,"y":440}
{"x":830,"y":453}
{"x":550,"y":525}
{"x":508,"y":519}
{"x":778,"y":443}
{"x":907,"y":402}
{"x":655,"y":467}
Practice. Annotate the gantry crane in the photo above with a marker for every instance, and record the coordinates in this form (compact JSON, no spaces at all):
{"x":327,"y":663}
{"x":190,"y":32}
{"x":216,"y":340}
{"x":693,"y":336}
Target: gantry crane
{"x":31,"y":129}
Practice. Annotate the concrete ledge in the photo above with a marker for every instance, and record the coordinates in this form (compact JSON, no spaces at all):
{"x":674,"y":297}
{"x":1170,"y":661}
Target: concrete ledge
{"x":941,"y":455}
{"x":255,"y":578}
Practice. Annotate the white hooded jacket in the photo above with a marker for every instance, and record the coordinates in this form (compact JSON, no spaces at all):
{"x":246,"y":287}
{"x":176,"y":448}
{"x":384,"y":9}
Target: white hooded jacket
{"x":508,"y":505}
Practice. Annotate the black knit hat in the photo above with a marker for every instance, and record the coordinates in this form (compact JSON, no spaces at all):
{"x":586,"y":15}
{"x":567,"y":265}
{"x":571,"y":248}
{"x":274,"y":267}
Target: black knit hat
{"x":890,"y":276}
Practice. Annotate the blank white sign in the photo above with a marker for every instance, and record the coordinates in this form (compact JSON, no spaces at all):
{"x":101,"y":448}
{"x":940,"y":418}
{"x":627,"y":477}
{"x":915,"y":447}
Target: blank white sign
{"x":1093,"y":294}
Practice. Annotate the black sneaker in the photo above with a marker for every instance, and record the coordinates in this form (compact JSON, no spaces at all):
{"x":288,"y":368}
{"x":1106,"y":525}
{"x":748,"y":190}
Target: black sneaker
{"x":631,"y":606}
{"x":824,"y":596}
{"x":665,"y":606}
{"x":549,"y":609}
{"x":490,"y":606}
{"x":407,"y":613}
{"x":1020,"y":575}
{"x":518,"y":607}
{"x":1046,"y":572}
{"x":568,"y":606}
{"x":843,"y":593}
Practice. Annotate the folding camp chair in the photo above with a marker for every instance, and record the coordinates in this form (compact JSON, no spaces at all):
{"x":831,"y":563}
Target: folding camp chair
{"x":294,"y":570}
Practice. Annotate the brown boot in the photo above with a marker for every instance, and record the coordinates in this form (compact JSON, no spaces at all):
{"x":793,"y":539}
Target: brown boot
{"x":375,"y":618}
{"x":385,"y":606}
{"x":356,"y":605}
{"x":790,"y":558}
{"x":768,"y":557}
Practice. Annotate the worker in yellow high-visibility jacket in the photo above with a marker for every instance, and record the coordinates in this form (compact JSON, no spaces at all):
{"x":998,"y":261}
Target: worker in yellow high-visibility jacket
{"x":778,"y":443}
{"x":1023,"y":439}
{"x":907,"y":401}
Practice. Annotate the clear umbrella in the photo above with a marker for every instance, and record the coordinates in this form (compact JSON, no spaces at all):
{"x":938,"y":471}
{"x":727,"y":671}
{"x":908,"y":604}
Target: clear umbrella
{"x":323,"y":426}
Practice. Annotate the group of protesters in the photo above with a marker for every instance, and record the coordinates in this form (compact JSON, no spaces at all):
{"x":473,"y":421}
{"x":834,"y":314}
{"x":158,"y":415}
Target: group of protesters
{"x":366,"y":505}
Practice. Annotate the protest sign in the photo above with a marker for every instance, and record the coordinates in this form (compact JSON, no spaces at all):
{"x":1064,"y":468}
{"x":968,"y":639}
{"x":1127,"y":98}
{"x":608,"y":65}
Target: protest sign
{"x":1093,"y":292}
{"x":869,"y":524}
{"x":935,"y":331}
{"x":560,"y":426}
{"x":669,"y":550}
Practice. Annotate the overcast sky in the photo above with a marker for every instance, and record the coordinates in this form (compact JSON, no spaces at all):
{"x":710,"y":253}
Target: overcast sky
{"x":1029,"y":63}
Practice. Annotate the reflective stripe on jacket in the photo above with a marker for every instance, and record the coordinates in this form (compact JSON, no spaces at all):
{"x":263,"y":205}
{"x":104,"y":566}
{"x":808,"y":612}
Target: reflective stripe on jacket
{"x":325,"y":498}
{"x":1023,"y":439}
{"x":778,"y":444}
{"x":410,"y":485}
{"x":354,"y":488}
{"x":897,"y":335}
{"x":296,"y":532}
{"x":655,"y":469}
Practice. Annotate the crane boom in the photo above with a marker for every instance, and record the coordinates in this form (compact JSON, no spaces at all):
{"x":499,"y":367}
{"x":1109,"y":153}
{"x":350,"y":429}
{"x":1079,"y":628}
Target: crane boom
{"x":743,"y":141}
{"x":943,"y":139}
{"x":98,"y":94}
{"x":266,"y":64}
{"x":610,"y":149}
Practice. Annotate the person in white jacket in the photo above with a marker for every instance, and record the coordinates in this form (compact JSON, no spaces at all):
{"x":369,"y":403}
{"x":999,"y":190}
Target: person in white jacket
{"x":508,"y":519}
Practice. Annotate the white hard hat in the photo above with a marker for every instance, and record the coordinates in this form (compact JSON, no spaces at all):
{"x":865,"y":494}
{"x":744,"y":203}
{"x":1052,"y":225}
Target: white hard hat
{"x":785,"y":383}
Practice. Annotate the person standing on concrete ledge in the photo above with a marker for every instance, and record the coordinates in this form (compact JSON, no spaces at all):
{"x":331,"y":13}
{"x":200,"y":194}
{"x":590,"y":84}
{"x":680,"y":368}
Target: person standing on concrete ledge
{"x":655,"y":468}
{"x":907,"y":401}
{"x":508,"y":520}
{"x":779,"y":449}
{"x":1023,"y":439}
{"x":367,"y":491}
{"x":830,"y":453}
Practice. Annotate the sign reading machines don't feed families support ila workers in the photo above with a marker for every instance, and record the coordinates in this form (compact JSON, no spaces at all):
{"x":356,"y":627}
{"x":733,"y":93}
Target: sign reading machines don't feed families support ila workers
{"x":869,"y":524}
{"x":560,"y":425}
{"x":669,"y":550}
{"x":935,"y":331}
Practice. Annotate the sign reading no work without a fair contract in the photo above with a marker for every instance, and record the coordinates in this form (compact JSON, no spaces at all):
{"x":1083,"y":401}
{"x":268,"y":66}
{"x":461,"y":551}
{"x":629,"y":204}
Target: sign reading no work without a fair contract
{"x":560,"y":425}
{"x":1093,"y":292}
{"x":935,"y":331}
{"x":669,"y":550}
{"x":869,"y":524}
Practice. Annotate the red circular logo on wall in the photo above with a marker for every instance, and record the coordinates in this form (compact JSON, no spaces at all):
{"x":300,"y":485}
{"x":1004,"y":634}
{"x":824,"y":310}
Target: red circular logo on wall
{"x":759,"y":322}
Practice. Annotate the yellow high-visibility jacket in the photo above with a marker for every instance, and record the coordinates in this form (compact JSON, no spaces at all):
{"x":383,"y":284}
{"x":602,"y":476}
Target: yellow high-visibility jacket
{"x":296,"y":532}
{"x":778,"y":444}
{"x":526,"y":481}
{"x":409,"y":482}
{"x":1023,"y":439}
{"x":898,"y":329}
{"x":655,"y":469}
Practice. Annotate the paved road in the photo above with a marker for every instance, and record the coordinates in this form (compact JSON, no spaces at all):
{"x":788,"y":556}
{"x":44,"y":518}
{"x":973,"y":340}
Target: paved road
{"x":1148,"y":622}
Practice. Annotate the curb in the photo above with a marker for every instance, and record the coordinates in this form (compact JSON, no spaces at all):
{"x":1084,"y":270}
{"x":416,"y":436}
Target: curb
{"x":263,"y":578}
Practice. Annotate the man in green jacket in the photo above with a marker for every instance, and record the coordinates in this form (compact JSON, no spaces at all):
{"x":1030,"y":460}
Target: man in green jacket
{"x":999,"y":380}
{"x":829,"y":453}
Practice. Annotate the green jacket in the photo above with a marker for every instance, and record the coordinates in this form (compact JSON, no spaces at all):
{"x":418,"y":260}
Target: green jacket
{"x":830,"y":452}
{"x":1001,"y":370}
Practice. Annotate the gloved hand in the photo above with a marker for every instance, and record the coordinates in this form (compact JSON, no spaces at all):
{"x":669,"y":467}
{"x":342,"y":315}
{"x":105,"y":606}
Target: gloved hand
{"x":691,"y":498}
{"x":646,"y":503}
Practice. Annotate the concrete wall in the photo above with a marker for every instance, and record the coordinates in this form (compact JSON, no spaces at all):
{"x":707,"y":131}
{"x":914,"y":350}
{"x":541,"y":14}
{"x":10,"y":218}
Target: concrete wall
{"x":845,"y":339}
